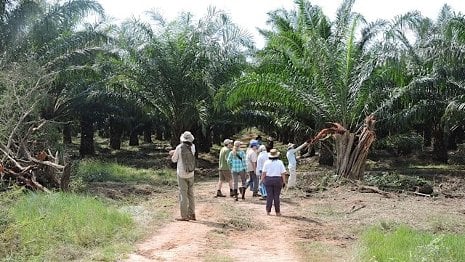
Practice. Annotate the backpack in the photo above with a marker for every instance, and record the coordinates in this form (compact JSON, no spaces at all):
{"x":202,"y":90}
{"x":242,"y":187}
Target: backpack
{"x":188,"y":159}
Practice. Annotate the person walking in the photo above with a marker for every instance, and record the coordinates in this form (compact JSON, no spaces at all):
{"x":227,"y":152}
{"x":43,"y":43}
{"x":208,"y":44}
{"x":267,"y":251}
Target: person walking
{"x":236,"y":162}
{"x":262,"y":157}
{"x":273,"y":175}
{"x":223,"y":168}
{"x":183,"y":155}
{"x":251,"y":159}
{"x":292,"y":163}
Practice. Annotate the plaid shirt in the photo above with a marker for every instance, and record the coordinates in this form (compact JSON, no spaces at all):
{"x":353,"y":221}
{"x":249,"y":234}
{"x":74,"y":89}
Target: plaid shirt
{"x":235,"y":163}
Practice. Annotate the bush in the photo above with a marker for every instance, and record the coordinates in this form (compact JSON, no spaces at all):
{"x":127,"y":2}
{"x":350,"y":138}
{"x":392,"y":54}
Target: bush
{"x":401,"y":144}
{"x":391,"y":181}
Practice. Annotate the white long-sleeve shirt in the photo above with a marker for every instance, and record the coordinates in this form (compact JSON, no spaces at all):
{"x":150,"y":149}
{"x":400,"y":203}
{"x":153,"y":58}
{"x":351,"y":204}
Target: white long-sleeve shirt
{"x":176,"y":158}
{"x":291,"y":158}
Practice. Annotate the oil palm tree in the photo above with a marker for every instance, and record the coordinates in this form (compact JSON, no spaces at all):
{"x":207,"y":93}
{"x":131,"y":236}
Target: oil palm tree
{"x":180,"y":65}
{"x":320,"y":71}
{"x":433,"y":62}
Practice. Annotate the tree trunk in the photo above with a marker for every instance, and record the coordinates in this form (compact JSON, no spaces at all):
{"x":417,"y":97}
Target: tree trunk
{"x":87,"y":137}
{"x":159,"y":133}
{"x":148,"y":134}
{"x":326,"y":154}
{"x":352,"y":150}
{"x":427,"y":136}
{"x":439,"y":145}
{"x":134,"y":138}
{"x":116,"y":132}
{"x":67,"y":138}
{"x":203,"y":142}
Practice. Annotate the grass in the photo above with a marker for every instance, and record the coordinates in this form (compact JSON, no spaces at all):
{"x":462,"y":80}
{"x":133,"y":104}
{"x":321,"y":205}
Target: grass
{"x":406,"y":244}
{"x":239,"y":218}
{"x":63,"y":227}
{"x":99,"y":171}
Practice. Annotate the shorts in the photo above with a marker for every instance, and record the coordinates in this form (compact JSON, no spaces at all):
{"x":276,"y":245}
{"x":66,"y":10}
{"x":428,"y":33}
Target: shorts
{"x":225,"y":175}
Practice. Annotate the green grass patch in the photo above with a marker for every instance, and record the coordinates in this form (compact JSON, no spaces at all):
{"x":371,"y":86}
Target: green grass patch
{"x":98,"y":171}
{"x":406,"y":244}
{"x":63,"y":227}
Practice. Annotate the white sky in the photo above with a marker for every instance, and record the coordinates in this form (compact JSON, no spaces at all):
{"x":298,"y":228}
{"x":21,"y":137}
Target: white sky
{"x":251,"y":14}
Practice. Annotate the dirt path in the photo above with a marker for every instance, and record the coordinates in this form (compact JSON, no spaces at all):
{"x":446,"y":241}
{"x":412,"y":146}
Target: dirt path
{"x":211,"y":237}
{"x":325,"y":226}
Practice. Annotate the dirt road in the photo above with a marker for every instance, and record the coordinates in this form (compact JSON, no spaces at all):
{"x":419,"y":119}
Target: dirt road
{"x":322,"y":227}
{"x":225,"y":230}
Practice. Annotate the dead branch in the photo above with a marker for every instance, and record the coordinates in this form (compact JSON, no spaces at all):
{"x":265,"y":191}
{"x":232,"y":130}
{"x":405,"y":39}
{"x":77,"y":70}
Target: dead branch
{"x":354,"y":209}
{"x":370,"y":189}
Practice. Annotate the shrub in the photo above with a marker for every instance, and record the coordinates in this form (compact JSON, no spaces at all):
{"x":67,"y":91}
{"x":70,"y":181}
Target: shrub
{"x":393,"y":181}
{"x":401,"y":144}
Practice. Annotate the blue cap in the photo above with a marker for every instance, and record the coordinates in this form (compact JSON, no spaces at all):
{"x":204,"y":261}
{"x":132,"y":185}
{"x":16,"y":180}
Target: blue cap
{"x":253,"y":142}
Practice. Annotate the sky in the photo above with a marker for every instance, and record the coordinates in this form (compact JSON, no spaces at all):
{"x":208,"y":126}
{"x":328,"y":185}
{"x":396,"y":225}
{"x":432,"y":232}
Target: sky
{"x":252,"y":14}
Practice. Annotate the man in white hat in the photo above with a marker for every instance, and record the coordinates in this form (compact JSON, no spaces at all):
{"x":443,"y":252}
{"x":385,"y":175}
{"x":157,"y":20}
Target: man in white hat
{"x":183,"y":155}
{"x":292,"y":163}
{"x":223,"y":168}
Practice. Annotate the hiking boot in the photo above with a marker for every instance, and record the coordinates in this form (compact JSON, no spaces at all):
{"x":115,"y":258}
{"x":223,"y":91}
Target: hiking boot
{"x":192,"y":217}
{"x":263,"y":198}
{"x":181,"y":219}
{"x":235,"y":194}
{"x":231,"y":192}
{"x":278,"y":214}
{"x":219,"y":194}
{"x":242,"y":190}
{"x":255,"y":194}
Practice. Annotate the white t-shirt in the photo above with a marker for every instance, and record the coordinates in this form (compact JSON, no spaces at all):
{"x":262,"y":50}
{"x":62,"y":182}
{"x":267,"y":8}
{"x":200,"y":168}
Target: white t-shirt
{"x":273,"y":168}
{"x":251,"y":157}
{"x":262,"y":157}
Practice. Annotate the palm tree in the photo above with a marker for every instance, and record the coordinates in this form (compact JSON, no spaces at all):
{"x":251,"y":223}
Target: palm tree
{"x":432,"y":95}
{"x":314,"y":72}
{"x":179,"y":66}
{"x":50,"y":39}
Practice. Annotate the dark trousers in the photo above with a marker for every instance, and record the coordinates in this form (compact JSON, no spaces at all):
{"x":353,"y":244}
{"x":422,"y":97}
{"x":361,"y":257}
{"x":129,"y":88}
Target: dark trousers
{"x":253,"y":181}
{"x":273,"y":187}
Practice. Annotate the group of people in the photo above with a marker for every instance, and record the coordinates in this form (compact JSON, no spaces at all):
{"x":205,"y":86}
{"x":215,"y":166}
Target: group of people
{"x":260,"y":163}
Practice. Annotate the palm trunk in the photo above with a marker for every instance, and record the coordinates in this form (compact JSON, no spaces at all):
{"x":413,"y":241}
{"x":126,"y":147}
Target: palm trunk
{"x":326,"y":154}
{"x":67,"y":138}
{"x":439,"y":145}
{"x":116,"y":132}
{"x":148,"y":134}
{"x":87,"y":137}
{"x":352,"y":151}
{"x":134,"y":138}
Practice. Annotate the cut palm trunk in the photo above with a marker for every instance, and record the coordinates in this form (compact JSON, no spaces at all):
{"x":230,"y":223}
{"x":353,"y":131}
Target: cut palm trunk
{"x":352,"y":150}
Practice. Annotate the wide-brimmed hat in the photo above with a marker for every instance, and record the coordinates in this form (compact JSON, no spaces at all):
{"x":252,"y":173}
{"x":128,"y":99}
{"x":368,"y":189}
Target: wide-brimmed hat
{"x":227,"y":141}
{"x":274,"y":153}
{"x":187,"y":137}
{"x":290,"y":146}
